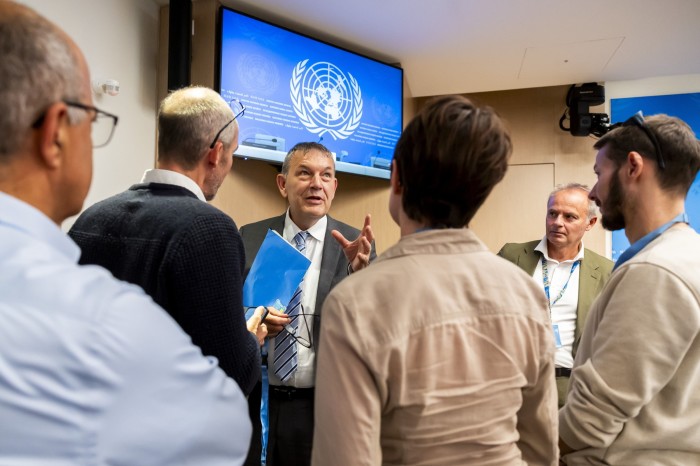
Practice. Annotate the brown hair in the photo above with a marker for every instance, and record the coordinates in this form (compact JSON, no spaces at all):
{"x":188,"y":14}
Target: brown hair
{"x":448,"y":159}
{"x":677,"y":142}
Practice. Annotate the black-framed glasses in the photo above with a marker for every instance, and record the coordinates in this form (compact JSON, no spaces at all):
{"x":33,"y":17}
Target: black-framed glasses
{"x":103,"y":123}
{"x":238,"y":110}
{"x":638,"y":120}
{"x":291,"y":331}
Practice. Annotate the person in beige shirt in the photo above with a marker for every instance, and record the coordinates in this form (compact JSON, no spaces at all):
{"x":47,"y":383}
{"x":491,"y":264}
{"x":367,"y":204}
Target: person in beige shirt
{"x":439,"y":352}
{"x":634,"y":395}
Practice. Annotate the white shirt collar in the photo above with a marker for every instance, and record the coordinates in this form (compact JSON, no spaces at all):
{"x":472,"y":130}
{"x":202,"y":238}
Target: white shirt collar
{"x":542,"y":247}
{"x":21,"y":216}
{"x":317,"y":231}
{"x":158,"y":175}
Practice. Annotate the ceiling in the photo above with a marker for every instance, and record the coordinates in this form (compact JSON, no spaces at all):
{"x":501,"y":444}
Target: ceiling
{"x":465,"y":46}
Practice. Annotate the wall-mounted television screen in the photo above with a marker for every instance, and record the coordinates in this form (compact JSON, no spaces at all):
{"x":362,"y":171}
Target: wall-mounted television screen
{"x":298,"y":89}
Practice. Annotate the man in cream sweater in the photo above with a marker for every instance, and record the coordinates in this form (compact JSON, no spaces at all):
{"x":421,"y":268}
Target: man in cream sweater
{"x":634,"y":396}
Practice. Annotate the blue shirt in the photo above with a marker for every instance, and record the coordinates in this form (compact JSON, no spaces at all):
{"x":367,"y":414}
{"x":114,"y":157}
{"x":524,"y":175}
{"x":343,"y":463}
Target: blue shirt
{"x":92,"y":372}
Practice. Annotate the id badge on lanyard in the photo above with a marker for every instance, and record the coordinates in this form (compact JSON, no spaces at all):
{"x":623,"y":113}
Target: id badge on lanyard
{"x":546,"y":283}
{"x":557,"y":337}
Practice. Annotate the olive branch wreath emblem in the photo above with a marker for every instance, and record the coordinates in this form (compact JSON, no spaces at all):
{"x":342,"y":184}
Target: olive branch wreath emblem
{"x":304,"y":117}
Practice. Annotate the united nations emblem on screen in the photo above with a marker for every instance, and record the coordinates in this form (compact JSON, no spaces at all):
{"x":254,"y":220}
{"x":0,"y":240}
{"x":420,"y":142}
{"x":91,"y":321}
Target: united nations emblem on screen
{"x":326,"y":100}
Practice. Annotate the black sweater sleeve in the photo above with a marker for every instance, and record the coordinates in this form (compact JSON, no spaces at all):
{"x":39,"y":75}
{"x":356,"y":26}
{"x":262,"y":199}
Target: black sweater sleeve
{"x":204,"y":271}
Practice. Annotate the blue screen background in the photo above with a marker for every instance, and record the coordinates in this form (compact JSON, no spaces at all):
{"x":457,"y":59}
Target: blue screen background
{"x":684,"y":106}
{"x":260,"y":60}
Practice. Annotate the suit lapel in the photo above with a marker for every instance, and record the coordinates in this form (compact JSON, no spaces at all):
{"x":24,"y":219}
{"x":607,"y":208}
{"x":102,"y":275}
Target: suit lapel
{"x":588,"y":284}
{"x":332,"y":253}
{"x":527,"y":259}
{"x":277,"y":224}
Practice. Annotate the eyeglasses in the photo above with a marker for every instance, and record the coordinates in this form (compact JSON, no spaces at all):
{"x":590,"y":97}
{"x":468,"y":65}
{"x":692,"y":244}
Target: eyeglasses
{"x":238,"y":110}
{"x":103,"y":123}
{"x":301,"y":340}
{"x":638,"y":120}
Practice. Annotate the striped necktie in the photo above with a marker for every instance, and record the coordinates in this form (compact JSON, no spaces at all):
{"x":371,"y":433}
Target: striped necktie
{"x":285,"y":362}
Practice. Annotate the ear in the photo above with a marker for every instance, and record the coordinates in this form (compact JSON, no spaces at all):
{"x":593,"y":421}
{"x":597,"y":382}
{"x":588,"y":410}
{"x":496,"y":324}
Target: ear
{"x":394,"y":179}
{"x":591,"y":223}
{"x":214,"y":155}
{"x":282,"y":184}
{"x":635,"y":164}
{"x":52,"y":134}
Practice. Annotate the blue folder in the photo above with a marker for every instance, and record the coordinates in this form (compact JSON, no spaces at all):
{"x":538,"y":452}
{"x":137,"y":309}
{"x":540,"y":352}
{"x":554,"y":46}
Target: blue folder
{"x":276,"y":273}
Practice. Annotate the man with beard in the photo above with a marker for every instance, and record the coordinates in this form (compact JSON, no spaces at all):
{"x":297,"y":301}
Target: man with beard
{"x":634,"y":395}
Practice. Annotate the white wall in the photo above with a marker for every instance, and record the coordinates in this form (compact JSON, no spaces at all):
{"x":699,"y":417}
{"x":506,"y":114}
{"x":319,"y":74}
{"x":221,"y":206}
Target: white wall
{"x":651,"y":86}
{"x":120,"y":40}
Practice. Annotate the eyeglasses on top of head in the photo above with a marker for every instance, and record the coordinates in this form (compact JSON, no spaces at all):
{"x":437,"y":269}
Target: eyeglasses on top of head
{"x":103,"y":123}
{"x":238,"y":110}
{"x":638,"y":120}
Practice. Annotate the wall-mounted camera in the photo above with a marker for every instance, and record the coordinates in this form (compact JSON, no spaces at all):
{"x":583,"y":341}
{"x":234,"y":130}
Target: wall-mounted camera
{"x":105,"y":86}
{"x":582,"y":122}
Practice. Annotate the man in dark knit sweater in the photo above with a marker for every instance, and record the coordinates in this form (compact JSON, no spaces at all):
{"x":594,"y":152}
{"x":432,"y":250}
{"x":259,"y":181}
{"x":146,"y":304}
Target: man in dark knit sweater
{"x":163,"y":236}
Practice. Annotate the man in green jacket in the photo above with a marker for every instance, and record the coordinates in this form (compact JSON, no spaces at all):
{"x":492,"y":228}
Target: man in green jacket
{"x":570,"y":275}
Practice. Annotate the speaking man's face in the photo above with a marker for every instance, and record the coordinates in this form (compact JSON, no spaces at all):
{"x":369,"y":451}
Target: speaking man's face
{"x":309,"y":186}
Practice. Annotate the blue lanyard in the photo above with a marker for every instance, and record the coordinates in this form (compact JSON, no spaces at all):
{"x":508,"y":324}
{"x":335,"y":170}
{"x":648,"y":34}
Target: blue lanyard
{"x":641,"y":243}
{"x":547,"y":283}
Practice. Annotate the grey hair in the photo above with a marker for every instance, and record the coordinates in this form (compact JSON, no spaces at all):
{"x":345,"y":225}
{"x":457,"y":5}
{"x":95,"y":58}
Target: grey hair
{"x":592,"y":208}
{"x":38,"y":67}
{"x":304,"y":147}
{"x":188,"y":120}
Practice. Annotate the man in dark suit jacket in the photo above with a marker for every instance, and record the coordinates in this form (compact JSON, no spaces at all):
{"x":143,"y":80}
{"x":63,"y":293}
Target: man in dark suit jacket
{"x":163,"y":236}
{"x":308,"y":182}
{"x":557,"y":259}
